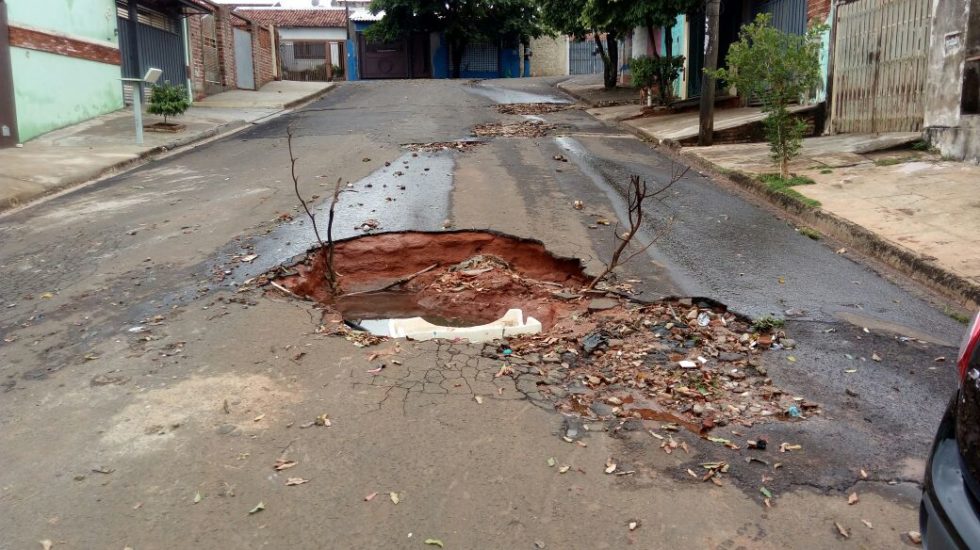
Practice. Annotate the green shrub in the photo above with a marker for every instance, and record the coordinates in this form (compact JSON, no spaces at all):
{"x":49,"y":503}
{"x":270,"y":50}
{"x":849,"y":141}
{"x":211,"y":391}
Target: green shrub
{"x":779,"y":68}
{"x":168,"y":100}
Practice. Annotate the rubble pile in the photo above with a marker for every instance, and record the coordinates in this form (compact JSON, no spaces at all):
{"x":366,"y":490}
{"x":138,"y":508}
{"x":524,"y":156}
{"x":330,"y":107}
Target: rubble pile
{"x":436,"y":146}
{"x":694,"y":365}
{"x":531,"y":108}
{"x":525,"y":129}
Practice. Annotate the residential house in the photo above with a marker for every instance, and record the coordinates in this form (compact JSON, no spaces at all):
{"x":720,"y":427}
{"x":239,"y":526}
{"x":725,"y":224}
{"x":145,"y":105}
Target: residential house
{"x":48,"y":47}
{"x":952,"y":94}
{"x":312,"y":42}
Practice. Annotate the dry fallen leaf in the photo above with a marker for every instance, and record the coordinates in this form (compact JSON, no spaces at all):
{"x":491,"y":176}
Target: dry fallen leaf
{"x":785,"y":447}
{"x":323,"y":420}
{"x":853,"y":498}
{"x":259,"y":417}
{"x":395,"y":499}
{"x":610,"y":466}
{"x":283,"y":464}
{"x":876,"y":357}
{"x":843,"y":532}
{"x":197,"y":497}
{"x":633,"y":525}
{"x":296,"y":481}
{"x":46,"y":544}
{"x":864,"y":474}
{"x":867,"y":524}
{"x":258,"y":508}
{"x":915,"y":537}
{"x":478,"y":399}
{"x":370,"y":497}
{"x":434,"y":542}
{"x":564,"y":469}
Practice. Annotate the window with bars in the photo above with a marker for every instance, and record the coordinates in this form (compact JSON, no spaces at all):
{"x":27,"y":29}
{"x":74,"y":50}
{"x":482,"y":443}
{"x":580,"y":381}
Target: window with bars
{"x":309,"y":50}
{"x":480,"y":57}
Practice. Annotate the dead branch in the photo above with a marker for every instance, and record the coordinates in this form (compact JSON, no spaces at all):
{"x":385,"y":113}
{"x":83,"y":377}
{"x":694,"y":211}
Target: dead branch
{"x":327,"y":250}
{"x":396,"y":282}
{"x":292,"y":172}
{"x":636,"y":193}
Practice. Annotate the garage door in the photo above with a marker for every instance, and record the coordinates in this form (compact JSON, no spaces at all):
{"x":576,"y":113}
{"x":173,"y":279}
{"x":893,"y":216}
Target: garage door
{"x":383,"y":60}
{"x":157,"y":42}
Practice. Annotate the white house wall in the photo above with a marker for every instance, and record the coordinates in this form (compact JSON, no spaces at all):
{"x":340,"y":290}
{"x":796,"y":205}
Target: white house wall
{"x":311,"y":34}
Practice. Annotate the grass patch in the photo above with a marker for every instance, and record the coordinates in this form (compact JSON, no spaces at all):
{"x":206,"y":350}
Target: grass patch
{"x":785,"y":186}
{"x":810,"y":232}
{"x":956,"y":316}
{"x":767,"y":323}
{"x":921,"y":145}
{"x":893,"y":161}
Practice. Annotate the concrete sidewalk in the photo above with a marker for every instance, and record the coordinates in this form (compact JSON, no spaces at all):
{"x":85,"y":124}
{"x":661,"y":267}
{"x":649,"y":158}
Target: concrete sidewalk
{"x":918,"y":208}
{"x":907,"y":208}
{"x":80,"y":153}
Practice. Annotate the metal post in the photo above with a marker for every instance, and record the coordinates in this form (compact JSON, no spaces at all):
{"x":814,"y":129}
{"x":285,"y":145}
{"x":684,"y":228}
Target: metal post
{"x":138,"y":110}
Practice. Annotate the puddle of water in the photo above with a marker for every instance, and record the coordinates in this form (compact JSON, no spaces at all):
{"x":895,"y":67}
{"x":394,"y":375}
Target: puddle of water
{"x":423,"y":205}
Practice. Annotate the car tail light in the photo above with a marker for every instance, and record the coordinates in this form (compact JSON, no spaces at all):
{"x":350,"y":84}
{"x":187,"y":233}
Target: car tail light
{"x":969,"y":346}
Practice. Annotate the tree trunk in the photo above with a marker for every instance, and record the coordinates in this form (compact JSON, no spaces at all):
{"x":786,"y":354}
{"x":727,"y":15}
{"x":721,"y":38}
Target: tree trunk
{"x":457,"y":47}
{"x":667,"y":86}
{"x":707,"y":115}
{"x":611,"y":62}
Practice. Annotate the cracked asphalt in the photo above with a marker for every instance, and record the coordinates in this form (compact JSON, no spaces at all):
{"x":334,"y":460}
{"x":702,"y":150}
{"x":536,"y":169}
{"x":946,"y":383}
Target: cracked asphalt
{"x":145,"y":395}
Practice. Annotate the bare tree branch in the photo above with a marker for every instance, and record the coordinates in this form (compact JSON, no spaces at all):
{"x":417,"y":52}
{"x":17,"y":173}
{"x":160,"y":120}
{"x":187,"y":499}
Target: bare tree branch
{"x":636,"y":193}
{"x":325,"y":249}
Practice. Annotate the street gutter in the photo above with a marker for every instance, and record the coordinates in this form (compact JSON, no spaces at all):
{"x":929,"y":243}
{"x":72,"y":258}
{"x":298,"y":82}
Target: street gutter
{"x":159,"y":152}
{"x":915,"y":266}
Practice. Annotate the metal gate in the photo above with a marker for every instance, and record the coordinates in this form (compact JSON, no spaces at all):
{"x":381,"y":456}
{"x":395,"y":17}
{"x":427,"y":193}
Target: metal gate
{"x":213,"y":81}
{"x":787,"y":15}
{"x":383,"y":60}
{"x":244,"y":69}
{"x":583,"y":57}
{"x":879,"y":70}
{"x":157,"y":42}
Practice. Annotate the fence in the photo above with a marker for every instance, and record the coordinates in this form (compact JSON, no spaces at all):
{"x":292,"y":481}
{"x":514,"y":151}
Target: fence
{"x":311,"y":61}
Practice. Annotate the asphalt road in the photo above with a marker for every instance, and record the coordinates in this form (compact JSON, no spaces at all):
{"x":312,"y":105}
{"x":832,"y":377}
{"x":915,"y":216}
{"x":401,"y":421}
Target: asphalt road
{"x":136,"y":377}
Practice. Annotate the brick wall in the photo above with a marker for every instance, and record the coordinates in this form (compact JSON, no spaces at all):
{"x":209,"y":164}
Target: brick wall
{"x":817,"y":11}
{"x":262,"y":44}
{"x":226,"y":46}
{"x":195,"y":40}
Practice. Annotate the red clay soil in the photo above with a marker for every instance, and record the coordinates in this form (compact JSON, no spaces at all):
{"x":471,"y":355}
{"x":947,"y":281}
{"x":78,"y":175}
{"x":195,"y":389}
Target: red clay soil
{"x":367,"y":265}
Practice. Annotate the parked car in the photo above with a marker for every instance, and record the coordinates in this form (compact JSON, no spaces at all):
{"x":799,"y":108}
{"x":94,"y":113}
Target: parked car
{"x":949,"y":515}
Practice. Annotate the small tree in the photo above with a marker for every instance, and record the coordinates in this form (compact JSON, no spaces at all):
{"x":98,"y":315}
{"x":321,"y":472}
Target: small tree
{"x":168,"y":100}
{"x":779,"y":68}
{"x":661,"y":71}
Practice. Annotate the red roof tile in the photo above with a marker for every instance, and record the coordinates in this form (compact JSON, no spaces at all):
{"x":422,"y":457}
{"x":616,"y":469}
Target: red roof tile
{"x":321,"y":18}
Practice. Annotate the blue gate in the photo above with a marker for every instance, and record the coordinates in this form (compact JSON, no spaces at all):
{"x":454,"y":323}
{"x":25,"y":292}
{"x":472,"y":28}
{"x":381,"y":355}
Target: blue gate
{"x":158,"y":42}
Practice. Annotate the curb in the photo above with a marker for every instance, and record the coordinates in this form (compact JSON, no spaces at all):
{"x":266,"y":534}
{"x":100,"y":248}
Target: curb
{"x":911,"y":264}
{"x":310,"y":98}
{"x":16,"y":203}
{"x":916,"y":266}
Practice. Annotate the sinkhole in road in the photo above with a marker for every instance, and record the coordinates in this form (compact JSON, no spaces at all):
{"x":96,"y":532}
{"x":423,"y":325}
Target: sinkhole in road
{"x":689,"y":362}
{"x":448,"y":278}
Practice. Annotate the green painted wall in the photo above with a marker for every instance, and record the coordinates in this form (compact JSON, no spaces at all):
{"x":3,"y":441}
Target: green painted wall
{"x":94,"y":19}
{"x":52,"y":91}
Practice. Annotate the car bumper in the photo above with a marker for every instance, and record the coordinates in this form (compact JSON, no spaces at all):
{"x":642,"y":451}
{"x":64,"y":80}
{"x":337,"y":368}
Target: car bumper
{"x":948,"y":518}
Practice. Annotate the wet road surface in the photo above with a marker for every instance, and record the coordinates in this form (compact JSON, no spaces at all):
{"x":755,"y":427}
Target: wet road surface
{"x":162,"y":248}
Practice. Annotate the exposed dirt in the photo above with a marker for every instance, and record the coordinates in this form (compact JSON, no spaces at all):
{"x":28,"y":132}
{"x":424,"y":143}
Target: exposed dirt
{"x":525,"y":129}
{"x":430,"y":284}
{"x":687,"y":362}
{"x":531,"y":108}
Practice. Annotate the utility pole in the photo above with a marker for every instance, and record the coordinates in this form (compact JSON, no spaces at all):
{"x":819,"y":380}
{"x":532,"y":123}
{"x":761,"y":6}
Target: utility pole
{"x":707,"y":130}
